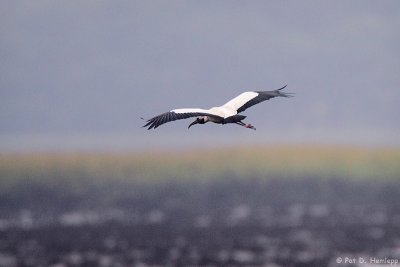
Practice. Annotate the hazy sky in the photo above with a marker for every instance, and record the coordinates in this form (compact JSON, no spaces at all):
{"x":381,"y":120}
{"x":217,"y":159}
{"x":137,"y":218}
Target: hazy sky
{"x":80,"y":74}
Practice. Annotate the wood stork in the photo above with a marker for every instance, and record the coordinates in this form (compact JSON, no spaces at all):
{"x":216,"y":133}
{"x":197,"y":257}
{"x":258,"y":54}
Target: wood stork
{"x":227,"y":113}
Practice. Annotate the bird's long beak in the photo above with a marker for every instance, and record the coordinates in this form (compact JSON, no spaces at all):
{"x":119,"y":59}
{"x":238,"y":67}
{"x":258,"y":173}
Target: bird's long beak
{"x":193,"y":123}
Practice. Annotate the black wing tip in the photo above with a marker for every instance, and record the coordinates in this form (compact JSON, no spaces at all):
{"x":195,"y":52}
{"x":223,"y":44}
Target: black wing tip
{"x":148,"y":126}
{"x":151,"y":123}
{"x":156,"y":121}
{"x":285,"y":94}
{"x":148,"y":122}
{"x":281,"y":88}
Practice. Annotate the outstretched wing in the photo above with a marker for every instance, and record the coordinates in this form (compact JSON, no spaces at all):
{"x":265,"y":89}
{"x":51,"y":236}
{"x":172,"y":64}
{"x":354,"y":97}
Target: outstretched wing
{"x":248,"y":99}
{"x":177,"y":114}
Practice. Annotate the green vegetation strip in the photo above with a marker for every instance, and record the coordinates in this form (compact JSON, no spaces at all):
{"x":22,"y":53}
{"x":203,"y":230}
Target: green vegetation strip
{"x":76,"y":169}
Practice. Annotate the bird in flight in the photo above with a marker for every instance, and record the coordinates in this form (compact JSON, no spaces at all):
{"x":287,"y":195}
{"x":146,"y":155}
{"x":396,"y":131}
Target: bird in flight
{"x":227,"y":113}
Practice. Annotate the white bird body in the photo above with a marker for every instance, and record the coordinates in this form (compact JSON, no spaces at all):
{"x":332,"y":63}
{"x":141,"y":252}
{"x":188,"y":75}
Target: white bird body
{"x":227,"y":113}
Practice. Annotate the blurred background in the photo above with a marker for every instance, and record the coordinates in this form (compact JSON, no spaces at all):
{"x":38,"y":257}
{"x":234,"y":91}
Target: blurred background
{"x":83,"y":184}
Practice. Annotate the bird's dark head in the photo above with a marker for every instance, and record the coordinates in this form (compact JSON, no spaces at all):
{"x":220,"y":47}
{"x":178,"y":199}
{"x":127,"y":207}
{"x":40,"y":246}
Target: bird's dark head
{"x":197,"y":121}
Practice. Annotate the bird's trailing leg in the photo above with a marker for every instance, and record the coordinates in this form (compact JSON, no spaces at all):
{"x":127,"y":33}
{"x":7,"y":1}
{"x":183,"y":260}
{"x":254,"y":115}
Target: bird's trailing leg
{"x":238,"y":120}
{"x":245,"y":125}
